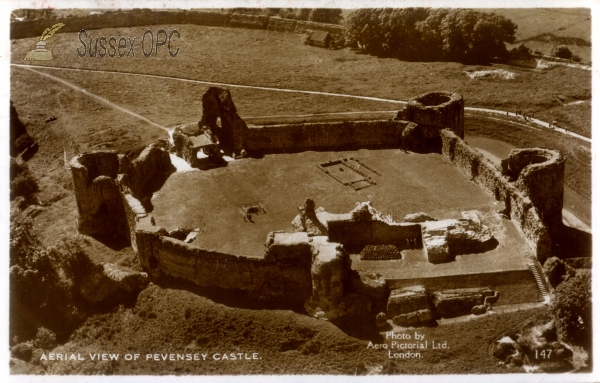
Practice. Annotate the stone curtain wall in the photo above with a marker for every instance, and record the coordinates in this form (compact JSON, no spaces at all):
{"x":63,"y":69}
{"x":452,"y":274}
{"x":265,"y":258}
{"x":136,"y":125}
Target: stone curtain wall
{"x":142,"y":17}
{"x":308,"y":26}
{"x":540,"y":175}
{"x":284,"y":273}
{"x":140,"y":171}
{"x":516,"y":199}
{"x":241,"y":20}
{"x":281,"y":25}
{"x":136,"y":217}
{"x":107,"y":187}
{"x":325,"y":135}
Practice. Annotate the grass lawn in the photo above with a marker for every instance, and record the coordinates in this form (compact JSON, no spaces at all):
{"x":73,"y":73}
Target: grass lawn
{"x":274,"y":59}
{"x":577,"y":152}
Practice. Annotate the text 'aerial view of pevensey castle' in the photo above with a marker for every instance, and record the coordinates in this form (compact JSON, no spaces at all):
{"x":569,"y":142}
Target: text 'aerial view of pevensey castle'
{"x":236,"y":191}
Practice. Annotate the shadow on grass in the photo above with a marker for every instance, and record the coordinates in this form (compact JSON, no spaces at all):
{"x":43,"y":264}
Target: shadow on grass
{"x":25,"y":319}
{"x":227,"y":297}
{"x":114,"y":242}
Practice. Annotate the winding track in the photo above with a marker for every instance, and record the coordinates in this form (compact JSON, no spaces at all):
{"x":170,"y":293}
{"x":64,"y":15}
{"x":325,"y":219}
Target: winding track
{"x":494,"y":111}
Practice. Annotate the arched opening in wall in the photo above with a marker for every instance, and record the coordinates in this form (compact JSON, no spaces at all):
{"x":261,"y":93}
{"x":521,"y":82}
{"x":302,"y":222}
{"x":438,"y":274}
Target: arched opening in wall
{"x":497,"y":194}
{"x":219,"y":122}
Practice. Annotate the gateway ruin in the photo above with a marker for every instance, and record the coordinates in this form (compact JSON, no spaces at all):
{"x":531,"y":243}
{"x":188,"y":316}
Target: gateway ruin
{"x":470,"y":232}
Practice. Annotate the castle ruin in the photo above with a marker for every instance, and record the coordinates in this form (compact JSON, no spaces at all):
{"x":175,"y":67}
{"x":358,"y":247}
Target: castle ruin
{"x":312,"y":265}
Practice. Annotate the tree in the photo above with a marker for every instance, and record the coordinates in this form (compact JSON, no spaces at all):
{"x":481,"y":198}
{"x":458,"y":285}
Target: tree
{"x":522,"y":52}
{"x":23,"y":185}
{"x":23,"y":142}
{"x":557,"y":271}
{"x":326,"y":15}
{"x":284,"y":11}
{"x":302,"y":13}
{"x":44,"y":281}
{"x":572,"y":308}
{"x":430,"y":34}
{"x":17,"y":129}
{"x":471,"y":36}
{"x":563,"y":52}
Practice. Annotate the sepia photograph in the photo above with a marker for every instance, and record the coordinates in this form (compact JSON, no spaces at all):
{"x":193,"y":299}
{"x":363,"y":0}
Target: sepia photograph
{"x":204,"y":189}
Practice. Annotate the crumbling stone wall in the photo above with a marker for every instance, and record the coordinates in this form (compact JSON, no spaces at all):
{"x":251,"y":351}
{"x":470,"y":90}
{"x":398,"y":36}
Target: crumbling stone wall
{"x":212,"y":18}
{"x":136,"y":216}
{"x":540,"y":175}
{"x":142,"y":17}
{"x":455,"y":302}
{"x":420,"y":138}
{"x":140,"y":171}
{"x":281,"y":25}
{"x":306,"y":26}
{"x":347,"y":134}
{"x":407,"y":300}
{"x":242,"y":20}
{"x":515,"y":196}
{"x":281,"y":275}
{"x":217,"y":103}
{"x":495,"y":279}
{"x":374,"y":232}
{"x":444,"y":110}
{"x":97,"y":192}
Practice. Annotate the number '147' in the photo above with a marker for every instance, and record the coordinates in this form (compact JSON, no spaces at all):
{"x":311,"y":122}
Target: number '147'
{"x":543,"y":354}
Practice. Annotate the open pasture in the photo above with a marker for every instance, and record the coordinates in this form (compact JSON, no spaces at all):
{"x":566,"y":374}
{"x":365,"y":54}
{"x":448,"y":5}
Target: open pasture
{"x":280,"y":60}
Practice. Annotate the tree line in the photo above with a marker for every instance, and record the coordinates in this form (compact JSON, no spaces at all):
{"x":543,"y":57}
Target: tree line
{"x":424,"y":34}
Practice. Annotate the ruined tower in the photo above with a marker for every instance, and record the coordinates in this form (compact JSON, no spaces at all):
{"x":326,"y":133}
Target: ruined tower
{"x":99,"y":201}
{"x":443,"y":110}
{"x":540,"y":174}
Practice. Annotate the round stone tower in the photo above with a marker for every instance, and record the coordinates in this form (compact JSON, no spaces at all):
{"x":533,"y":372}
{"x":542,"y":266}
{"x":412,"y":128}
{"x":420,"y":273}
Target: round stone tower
{"x":440,"y":109}
{"x":99,"y":200}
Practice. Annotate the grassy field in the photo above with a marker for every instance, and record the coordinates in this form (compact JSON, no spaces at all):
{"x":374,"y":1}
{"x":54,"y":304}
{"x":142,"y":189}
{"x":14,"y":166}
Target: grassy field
{"x":262,"y":58}
{"x":578,"y":168}
{"x":166,"y":320}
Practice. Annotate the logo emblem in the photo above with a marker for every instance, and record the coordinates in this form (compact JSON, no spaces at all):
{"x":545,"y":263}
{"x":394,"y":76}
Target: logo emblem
{"x":40,"y":53}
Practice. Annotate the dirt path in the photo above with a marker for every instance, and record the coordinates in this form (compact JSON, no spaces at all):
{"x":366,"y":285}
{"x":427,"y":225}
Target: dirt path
{"x":499,"y":112}
{"x":540,"y":123}
{"x":218,"y":83}
{"x":94,"y":96}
